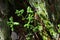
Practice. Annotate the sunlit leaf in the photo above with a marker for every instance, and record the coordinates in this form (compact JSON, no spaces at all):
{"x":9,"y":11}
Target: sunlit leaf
{"x":59,"y":25}
{"x":19,"y":13}
{"x":27,"y":25}
{"x":11,"y":18}
{"x":11,"y":25}
{"x":16,"y":23}
{"x":40,"y":28}
{"x":44,"y":38}
{"x":30,"y":17}
{"x":29,"y":10}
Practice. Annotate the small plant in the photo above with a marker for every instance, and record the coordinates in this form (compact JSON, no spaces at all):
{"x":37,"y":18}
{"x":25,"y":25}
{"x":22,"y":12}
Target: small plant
{"x":41,"y":25}
{"x":38,"y":27}
{"x":11,"y":23}
{"x":19,"y":13}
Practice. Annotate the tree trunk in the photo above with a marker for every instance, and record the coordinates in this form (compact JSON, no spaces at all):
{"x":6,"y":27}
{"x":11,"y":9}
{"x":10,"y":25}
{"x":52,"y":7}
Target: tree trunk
{"x":4,"y":29}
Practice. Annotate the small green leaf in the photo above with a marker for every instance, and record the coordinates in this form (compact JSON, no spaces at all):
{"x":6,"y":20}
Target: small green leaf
{"x":11,"y":25}
{"x":18,"y":14}
{"x":59,"y":30}
{"x":12,"y":29}
{"x":17,"y":11}
{"x":11,"y":18}
{"x":44,"y":38}
{"x":40,"y":28}
{"x":29,"y":10}
{"x":16,"y":23}
{"x":58,"y":25}
{"x":21,"y":11}
{"x":35,"y":29}
{"x":28,"y":38}
{"x":30,"y":17}
{"x":27,"y":25}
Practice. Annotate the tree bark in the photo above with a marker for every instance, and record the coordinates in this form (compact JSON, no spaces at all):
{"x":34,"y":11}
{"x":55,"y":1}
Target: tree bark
{"x":4,"y":29}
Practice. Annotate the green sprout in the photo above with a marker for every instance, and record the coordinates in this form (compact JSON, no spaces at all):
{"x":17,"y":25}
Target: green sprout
{"x":19,"y":13}
{"x":11,"y":23}
{"x":29,"y":10}
{"x":30,"y":18}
